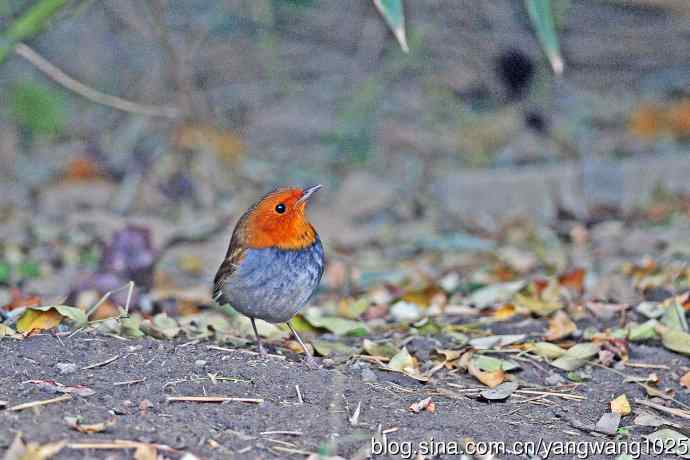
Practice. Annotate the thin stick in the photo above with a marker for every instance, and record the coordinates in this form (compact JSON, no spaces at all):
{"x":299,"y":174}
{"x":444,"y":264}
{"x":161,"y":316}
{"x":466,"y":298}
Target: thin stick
{"x":89,"y":93}
{"x":299,"y":395}
{"x":128,"y":382}
{"x":552,"y":393}
{"x":39,"y":403}
{"x":293,"y":451}
{"x":106,"y":296}
{"x":232,"y":350}
{"x":647,"y":366}
{"x":287,"y":433}
{"x":669,"y":410}
{"x":212,"y":399}
{"x":118,"y":444}
{"x":102,"y":363}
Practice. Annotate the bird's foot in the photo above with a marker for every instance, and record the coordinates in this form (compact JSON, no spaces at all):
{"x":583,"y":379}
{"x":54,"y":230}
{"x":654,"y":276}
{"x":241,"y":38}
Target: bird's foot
{"x":262,"y":351}
{"x":311,"y":362}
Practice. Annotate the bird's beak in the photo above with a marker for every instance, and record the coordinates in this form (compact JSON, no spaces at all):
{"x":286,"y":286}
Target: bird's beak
{"x":307,"y":192}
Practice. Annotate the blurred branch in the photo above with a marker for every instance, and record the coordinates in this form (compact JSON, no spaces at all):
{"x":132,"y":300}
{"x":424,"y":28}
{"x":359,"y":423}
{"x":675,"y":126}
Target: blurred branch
{"x":89,"y":93}
{"x":28,"y":25}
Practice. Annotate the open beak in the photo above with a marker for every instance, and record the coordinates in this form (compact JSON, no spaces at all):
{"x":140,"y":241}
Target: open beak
{"x":307,"y":192}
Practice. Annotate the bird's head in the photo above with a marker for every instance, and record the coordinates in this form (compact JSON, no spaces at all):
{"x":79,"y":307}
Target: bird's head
{"x":279,"y":220}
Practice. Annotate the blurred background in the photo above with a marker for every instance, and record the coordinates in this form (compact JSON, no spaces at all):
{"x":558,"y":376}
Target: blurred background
{"x":436,"y":150}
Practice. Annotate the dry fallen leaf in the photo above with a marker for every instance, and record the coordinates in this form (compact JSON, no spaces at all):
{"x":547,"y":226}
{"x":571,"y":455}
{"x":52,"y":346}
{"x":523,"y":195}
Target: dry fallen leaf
{"x":685,"y":380}
{"x":621,"y":405}
{"x":32,"y":451}
{"x":57,"y":387}
{"x":145,"y":452}
{"x":560,"y":327}
{"x":36,"y":320}
{"x":75,"y":424}
{"x":425,"y":404}
{"x":490,"y":379}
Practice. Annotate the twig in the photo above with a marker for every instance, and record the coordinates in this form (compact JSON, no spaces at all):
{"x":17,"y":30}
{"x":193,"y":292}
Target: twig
{"x":118,"y":444}
{"x":287,"y":433}
{"x":647,"y":366}
{"x":39,"y":403}
{"x":102,"y":363}
{"x":129,"y":382}
{"x":669,"y":410}
{"x":213,"y":399}
{"x":214,"y":347}
{"x":293,"y":451}
{"x":89,"y":93}
{"x":299,"y":395}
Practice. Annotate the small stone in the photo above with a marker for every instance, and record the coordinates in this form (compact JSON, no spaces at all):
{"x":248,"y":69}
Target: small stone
{"x":199,"y":363}
{"x":66,"y":368}
{"x":369,"y":376}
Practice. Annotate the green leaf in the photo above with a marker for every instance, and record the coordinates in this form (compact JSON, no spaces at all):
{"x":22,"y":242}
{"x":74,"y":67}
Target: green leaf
{"x":29,"y":269}
{"x":676,"y":340}
{"x":327,"y":348}
{"x":37,"y":108}
{"x":29,"y":24}
{"x":491,"y":364}
{"x":385,"y":349}
{"x":542,"y":19}
{"x":495,"y":293}
{"x":644,"y":331}
{"x":5,"y":272}
{"x":547,"y":350}
{"x":392,"y":12}
{"x":576,"y":356}
{"x":674,"y":317}
{"x":338,"y":326}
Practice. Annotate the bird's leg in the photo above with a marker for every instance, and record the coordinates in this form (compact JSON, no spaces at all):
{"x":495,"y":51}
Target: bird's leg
{"x":310,"y":359}
{"x":262,"y":352}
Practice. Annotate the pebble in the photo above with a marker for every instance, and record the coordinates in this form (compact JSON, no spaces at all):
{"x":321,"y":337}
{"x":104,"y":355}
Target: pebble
{"x":66,"y":368}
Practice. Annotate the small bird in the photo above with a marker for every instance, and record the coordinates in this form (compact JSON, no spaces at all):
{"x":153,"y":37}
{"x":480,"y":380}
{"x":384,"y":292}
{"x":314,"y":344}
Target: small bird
{"x":274,"y":262}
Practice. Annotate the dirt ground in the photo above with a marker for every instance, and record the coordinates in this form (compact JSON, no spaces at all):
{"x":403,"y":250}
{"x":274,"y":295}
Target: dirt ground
{"x":319,"y":424}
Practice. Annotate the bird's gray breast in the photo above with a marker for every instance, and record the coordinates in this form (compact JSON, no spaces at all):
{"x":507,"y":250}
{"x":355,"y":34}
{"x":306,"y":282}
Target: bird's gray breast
{"x":274,"y":284}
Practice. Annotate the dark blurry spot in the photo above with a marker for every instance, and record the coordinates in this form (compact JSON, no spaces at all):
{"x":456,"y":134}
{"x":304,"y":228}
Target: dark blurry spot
{"x":515,"y":70}
{"x":178,"y":187}
{"x":130,"y":254}
{"x":535,"y":120}
{"x":656,"y":294}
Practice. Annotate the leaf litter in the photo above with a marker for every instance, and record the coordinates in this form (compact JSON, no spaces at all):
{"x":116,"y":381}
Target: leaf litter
{"x":488,"y":315}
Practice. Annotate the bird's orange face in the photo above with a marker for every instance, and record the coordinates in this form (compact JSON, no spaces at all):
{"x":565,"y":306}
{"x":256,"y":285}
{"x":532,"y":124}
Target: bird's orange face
{"x":280,"y":220}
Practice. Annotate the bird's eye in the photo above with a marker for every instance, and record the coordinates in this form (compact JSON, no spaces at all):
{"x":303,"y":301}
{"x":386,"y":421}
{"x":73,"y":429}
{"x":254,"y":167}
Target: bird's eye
{"x":280,"y":208}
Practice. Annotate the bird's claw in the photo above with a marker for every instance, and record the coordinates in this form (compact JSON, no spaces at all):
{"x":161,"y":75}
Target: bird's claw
{"x":311,"y":362}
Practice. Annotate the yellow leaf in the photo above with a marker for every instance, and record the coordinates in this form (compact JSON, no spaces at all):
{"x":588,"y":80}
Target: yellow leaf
{"x":560,"y":326}
{"x":226,"y":144}
{"x":505,"y":311}
{"x":621,"y":405}
{"x":685,"y":380}
{"x":37,"y":320}
{"x":490,"y":379}
{"x":32,"y":451}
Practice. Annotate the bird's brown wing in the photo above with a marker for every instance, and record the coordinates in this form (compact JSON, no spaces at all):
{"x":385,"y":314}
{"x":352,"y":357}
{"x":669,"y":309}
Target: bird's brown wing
{"x":227,"y":268}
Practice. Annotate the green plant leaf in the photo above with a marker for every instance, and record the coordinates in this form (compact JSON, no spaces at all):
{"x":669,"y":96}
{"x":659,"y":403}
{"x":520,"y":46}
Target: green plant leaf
{"x":392,"y":12}
{"x":576,"y":356}
{"x":542,"y":19}
{"x":338,"y":326}
{"x":29,"y":24}
{"x":676,"y":340}
{"x":39,"y":109}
